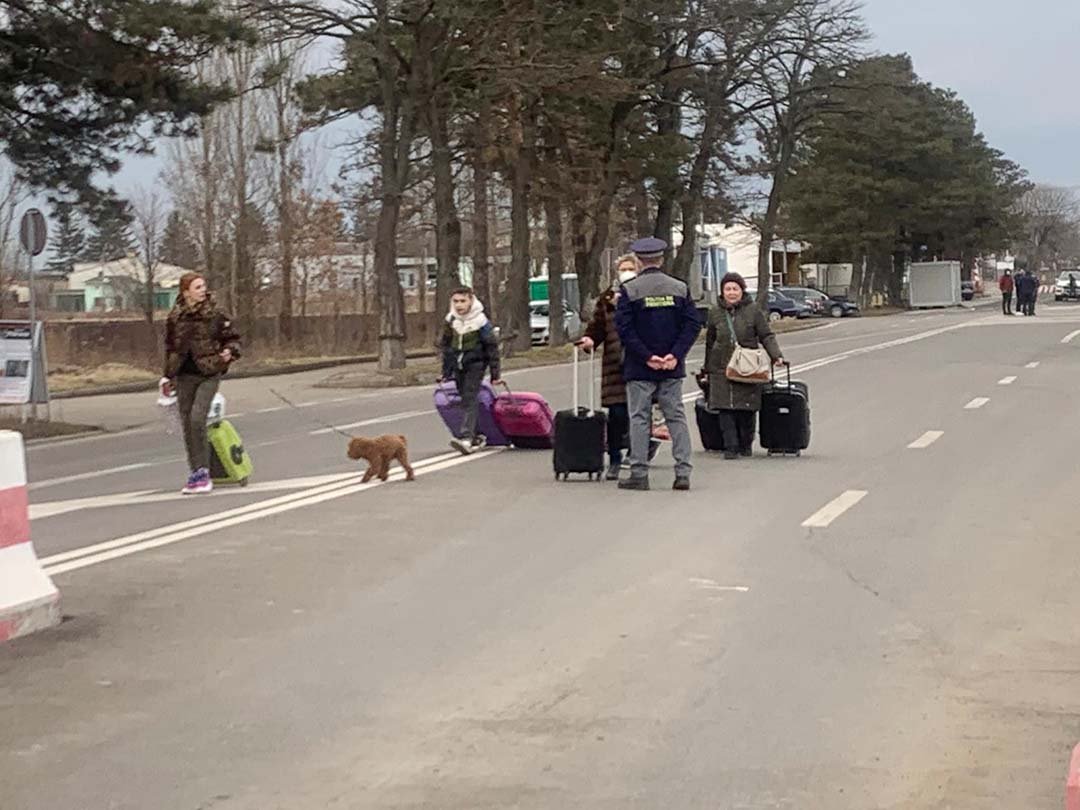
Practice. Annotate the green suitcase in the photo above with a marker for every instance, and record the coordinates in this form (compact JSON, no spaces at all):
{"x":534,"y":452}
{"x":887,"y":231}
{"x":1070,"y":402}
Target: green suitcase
{"x":229,"y":462}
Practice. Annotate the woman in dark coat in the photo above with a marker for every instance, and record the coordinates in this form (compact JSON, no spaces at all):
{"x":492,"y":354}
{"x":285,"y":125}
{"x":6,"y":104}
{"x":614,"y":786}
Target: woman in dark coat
{"x":738,"y":402}
{"x":601,"y":333}
{"x":200,"y":345}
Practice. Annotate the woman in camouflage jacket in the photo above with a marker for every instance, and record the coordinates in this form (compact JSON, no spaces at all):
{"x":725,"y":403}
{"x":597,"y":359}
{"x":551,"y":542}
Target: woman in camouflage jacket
{"x":200,"y":345}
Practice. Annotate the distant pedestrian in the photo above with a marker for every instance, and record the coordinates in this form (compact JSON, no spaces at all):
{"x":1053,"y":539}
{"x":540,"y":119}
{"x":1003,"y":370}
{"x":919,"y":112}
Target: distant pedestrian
{"x":201,"y":344}
{"x":469,"y":350}
{"x":1005,"y":284}
{"x":735,"y":320}
{"x":657,"y":324}
{"x":1026,"y":288}
{"x":1072,"y":285}
{"x":1031,"y":286}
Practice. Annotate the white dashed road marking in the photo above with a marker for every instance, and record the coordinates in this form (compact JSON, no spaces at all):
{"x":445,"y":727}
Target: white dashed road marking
{"x":1069,"y":337}
{"x":834,"y":509}
{"x":1007,"y":381}
{"x":1032,"y":365}
{"x":713,"y":585}
{"x":976,"y":403}
{"x":926,"y":439}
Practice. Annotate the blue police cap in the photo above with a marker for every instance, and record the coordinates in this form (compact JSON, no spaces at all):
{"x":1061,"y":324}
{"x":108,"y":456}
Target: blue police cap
{"x":648,"y":247}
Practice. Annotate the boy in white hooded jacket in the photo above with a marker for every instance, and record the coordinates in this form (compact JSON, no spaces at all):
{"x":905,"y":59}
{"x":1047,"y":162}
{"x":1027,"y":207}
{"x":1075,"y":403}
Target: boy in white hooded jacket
{"x":469,"y":349}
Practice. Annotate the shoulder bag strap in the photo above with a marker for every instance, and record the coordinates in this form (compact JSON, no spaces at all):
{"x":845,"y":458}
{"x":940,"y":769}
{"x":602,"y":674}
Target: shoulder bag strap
{"x":731,"y":328}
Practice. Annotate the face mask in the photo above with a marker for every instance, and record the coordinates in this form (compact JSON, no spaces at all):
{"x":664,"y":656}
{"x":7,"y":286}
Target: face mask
{"x":626,"y":275}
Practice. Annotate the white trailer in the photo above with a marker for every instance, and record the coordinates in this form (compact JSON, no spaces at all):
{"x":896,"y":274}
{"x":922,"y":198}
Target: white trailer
{"x":934,"y":284}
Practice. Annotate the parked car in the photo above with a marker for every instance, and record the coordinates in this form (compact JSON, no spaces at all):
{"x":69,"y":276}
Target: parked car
{"x":1062,"y":289}
{"x":540,"y":323}
{"x":780,"y":306}
{"x":967,"y":290}
{"x":820,"y":303}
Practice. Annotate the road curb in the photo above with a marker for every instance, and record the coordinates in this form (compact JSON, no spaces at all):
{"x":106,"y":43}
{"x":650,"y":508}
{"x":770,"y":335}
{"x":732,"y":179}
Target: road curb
{"x":239,"y":374}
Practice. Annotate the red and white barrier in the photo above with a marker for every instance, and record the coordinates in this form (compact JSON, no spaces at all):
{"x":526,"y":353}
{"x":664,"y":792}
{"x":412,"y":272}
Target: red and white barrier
{"x":1072,"y":782}
{"x":28,"y":599}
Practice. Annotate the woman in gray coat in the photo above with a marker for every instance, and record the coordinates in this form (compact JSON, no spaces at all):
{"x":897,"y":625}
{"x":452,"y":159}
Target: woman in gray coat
{"x":737,"y":402}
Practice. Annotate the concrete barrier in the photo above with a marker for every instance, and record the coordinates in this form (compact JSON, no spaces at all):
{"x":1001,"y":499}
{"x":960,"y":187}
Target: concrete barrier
{"x":1072,"y":782}
{"x":28,"y":599}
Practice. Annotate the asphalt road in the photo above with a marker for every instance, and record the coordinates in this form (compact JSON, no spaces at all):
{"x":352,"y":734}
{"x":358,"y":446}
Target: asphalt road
{"x":886,"y":622}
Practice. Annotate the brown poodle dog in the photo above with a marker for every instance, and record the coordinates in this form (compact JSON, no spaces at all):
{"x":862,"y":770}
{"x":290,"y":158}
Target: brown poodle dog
{"x":379,"y":452}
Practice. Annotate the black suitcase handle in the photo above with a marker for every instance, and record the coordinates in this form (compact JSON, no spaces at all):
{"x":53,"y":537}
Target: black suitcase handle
{"x":772,"y":373}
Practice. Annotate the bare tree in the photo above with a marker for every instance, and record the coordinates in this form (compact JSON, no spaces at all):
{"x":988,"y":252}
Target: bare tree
{"x":149,"y":210}
{"x":196,"y":175}
{"x":1052,"y":218}
{"x":288,"y":64}
{"x":807,"y":55}
{"x":13,"y":193}
{"x":218,"y":181}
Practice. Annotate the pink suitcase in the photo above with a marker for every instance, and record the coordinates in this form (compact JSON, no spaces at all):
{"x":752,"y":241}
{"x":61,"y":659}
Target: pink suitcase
{"x":526,"y":419}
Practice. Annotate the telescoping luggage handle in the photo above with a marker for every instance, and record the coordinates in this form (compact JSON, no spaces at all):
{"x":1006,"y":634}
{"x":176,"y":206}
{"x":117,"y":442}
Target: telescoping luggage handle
{"x":592,"y":381}
{"x":509,"y":393}
{"x":772,"y":369}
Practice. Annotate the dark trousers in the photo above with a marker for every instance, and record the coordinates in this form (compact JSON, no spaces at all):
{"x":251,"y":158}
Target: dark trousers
{"x":1026,"y":303}
{"x":1006,"y":303}
{"x":468,"y":382}
{"x":738,"y":428}
{"x":618,"y":426}
{"x":194,"y":394}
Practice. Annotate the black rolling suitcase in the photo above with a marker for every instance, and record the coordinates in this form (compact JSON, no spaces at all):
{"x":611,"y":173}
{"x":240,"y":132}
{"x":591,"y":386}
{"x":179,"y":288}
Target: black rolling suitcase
{"x":580,"y":434}
{"x":785,"y":416}
{"x":708,"y":422}
{"x":708,"y":419}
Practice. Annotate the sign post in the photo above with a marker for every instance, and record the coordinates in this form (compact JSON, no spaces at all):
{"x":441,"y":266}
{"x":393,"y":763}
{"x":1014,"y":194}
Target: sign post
{"x":33,"y":235}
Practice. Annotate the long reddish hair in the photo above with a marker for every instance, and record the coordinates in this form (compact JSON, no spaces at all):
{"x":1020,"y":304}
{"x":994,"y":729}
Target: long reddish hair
{"x":188,"y":279}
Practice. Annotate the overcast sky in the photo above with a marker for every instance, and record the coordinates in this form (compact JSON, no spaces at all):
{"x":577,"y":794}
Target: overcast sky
{"x":1015,"y":62}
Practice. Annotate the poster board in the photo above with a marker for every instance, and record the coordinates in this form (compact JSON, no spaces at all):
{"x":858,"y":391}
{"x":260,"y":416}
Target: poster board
{"x":22,"y":364}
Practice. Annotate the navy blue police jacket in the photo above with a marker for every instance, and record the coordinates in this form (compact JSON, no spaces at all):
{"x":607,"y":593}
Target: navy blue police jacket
{"x":655,"y":317}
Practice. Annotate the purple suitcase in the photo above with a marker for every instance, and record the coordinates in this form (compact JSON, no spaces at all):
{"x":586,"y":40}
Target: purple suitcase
{"x":527,"y":420}
{"x":448,"y":404}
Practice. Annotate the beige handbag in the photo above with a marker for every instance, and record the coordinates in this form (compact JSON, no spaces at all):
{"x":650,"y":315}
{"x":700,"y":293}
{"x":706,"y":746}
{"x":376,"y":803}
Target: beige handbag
{"x":750,"y":366}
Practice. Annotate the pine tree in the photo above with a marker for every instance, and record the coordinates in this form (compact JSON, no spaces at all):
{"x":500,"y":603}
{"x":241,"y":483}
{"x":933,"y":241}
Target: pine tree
{"x":69,"y":238}
{"x":80,"y":80}
{"x":112,"y":238}
{"x":177,"y":245}
{"x":901,"y":169}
